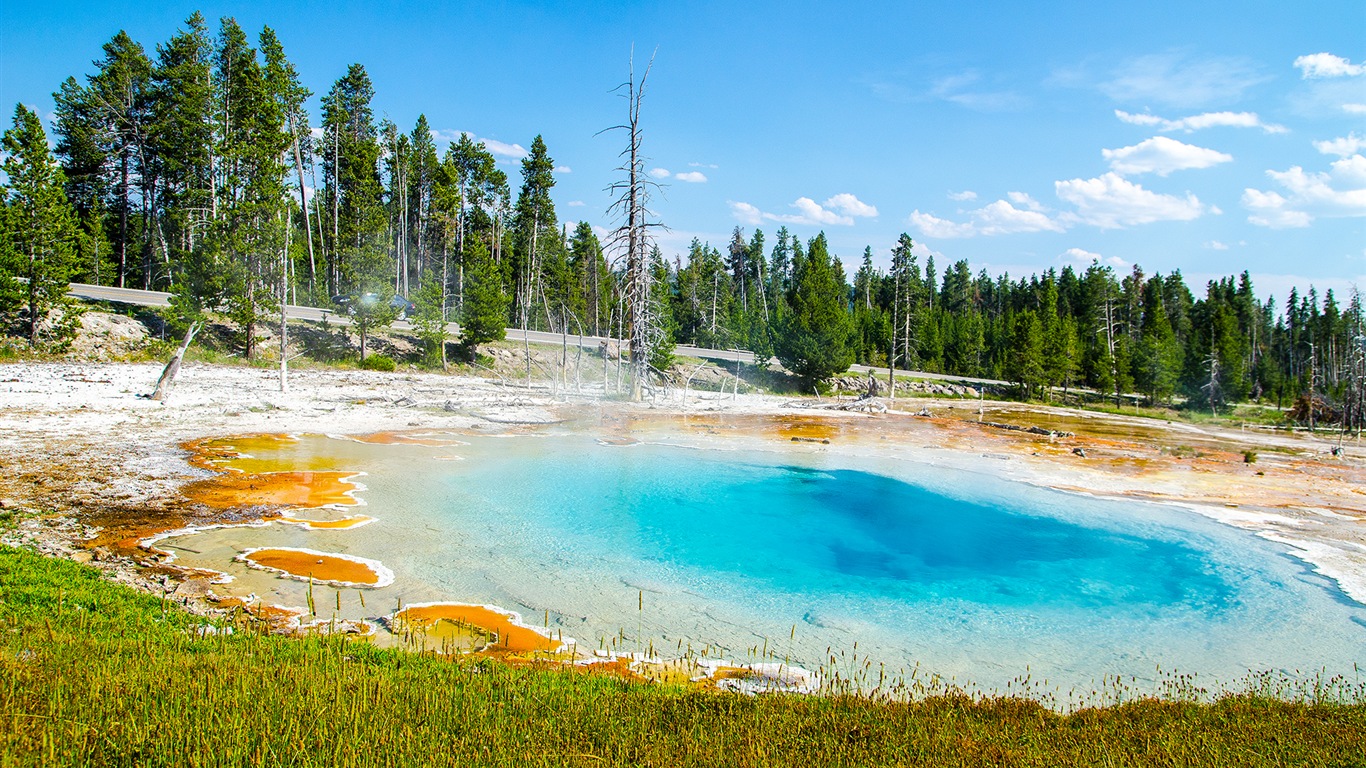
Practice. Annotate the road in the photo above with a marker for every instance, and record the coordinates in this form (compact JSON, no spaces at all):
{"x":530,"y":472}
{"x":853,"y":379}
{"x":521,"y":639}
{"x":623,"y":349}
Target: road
{"x":298,"y":312}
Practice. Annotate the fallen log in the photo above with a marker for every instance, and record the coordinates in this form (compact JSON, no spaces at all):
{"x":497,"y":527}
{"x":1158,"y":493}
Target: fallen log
{"x":1030,"y":430}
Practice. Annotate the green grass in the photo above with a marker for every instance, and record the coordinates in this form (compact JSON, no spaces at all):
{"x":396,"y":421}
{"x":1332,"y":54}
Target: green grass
{"x":96,"y":674}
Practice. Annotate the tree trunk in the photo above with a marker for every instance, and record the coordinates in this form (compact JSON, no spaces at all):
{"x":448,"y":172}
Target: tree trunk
{"x":308,"y":220}
{"x":163,"y":389}
{"x":284,"y":301}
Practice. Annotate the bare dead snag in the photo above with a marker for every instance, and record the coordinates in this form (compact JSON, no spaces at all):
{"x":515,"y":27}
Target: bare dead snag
{"x":168,"y":373}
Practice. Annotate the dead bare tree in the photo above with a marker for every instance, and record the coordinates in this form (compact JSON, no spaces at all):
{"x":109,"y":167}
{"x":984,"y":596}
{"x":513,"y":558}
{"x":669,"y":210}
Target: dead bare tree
{"x":163,"y":389}
{"x":632,"y":236}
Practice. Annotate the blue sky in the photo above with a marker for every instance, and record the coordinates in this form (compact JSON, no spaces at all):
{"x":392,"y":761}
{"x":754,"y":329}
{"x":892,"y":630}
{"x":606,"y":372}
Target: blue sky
{"x":1206,"y":137}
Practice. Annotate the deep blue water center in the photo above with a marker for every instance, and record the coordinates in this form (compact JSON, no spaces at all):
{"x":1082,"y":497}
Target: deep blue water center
{"x":845,"y":532}
{"x":842,"y":529}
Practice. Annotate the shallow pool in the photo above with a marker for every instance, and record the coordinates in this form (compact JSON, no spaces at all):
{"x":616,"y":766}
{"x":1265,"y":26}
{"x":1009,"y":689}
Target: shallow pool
{"x":965,"y":574}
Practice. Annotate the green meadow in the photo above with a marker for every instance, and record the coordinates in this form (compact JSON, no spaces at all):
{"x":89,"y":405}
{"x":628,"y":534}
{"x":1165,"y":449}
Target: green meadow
{"x":93,"y":673}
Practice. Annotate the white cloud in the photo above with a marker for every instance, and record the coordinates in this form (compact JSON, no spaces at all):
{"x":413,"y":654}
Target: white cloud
{"x":1327,"y":65}
{"x":961,"y":89}
{"x":1354,"y":109}
{"x":494,"y":146}
{"x":1215,"y":245}
{"x":1021,"y":198}
{"x":512,"y":151}
{"x":839,"y":210}
{"x":563,"y":169}
{"x":1271,"y":210}
{"x":1181,"y":80}
{"x":810,"y":212}
{"x":1077,"y":254}
{"x":1203,"y":120}
{"x":850,"y":205}
{"x":1111,"y":202}
{"x":575,"y":203}
{"x":933,"y":226}
{"x":1350,"y":144}
{"x":1002,"y":218}
{"x":998,"y":218}
{"x":1084,"y":258}
{"x":746,"y":213}
{"x":692,"y":177}
{"x":712,"y":166}
{"x":1351,"y":169}
{"x":965,"y":195}
{"x":1161,"y":155}
{"x":1339,"y":192}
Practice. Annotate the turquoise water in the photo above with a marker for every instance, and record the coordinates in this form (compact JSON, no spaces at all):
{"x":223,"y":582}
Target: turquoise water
{"x":966,"y":574}
{"x":840,"y":533}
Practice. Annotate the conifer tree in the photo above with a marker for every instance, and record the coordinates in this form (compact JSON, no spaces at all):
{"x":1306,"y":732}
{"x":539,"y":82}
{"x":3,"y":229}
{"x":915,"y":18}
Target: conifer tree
{"x":1025,"y":363}
{"x":183,"y":142}
{"x":421,"y":179}
{"x":1157,"y":360}
{"x":484,"y":316}
{"x":430,"y":320}
{"x":285,"y":89}
{"x":252,"y":142}
{"x":39,"y":224}
{"x":118,"y":94}
{"x":354,"y":190}
{"x":593,"y":276}
{"x":816,"y":340}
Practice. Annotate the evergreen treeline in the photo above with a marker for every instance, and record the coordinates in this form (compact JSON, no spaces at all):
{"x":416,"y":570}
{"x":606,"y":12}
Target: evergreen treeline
{"x":1116,"y":334}
{"x":196,"y":169}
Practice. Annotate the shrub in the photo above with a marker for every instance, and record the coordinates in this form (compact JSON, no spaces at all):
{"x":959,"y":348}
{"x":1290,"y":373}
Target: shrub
{"x":378,"y":363}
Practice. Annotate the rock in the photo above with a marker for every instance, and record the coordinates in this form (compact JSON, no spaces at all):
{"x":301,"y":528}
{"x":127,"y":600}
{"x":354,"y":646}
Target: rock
{"x":193,"y":588}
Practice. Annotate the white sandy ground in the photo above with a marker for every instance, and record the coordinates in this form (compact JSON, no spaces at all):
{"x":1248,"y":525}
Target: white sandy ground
{"x":77,"y":435}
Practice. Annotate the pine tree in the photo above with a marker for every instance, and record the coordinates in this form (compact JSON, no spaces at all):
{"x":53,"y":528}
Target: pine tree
{"x":430,"y":320}
{"x":183,"y":142}
{"x":354,"y":191}
{"x":484,"y":316}
{"x":593,"y":278}
{"x":252,"y":140}
{"x":1025,"y":363}
{"x":289,"y":95}
{"x":481,"y":191}
{"x":85,"y":158}
{"x":119,"y":95}
{"x":1157,"y":360}
{"x":39,"y":223}
{"x":534,"y":222}
{"x":816,"y":339}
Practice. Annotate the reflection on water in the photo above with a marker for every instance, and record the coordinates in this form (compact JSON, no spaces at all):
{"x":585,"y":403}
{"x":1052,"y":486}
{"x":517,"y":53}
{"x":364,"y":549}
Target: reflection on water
{"x":633,"y":545}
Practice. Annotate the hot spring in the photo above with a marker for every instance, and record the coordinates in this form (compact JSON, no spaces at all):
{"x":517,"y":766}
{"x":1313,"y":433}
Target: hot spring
{"x":805,"y":552}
